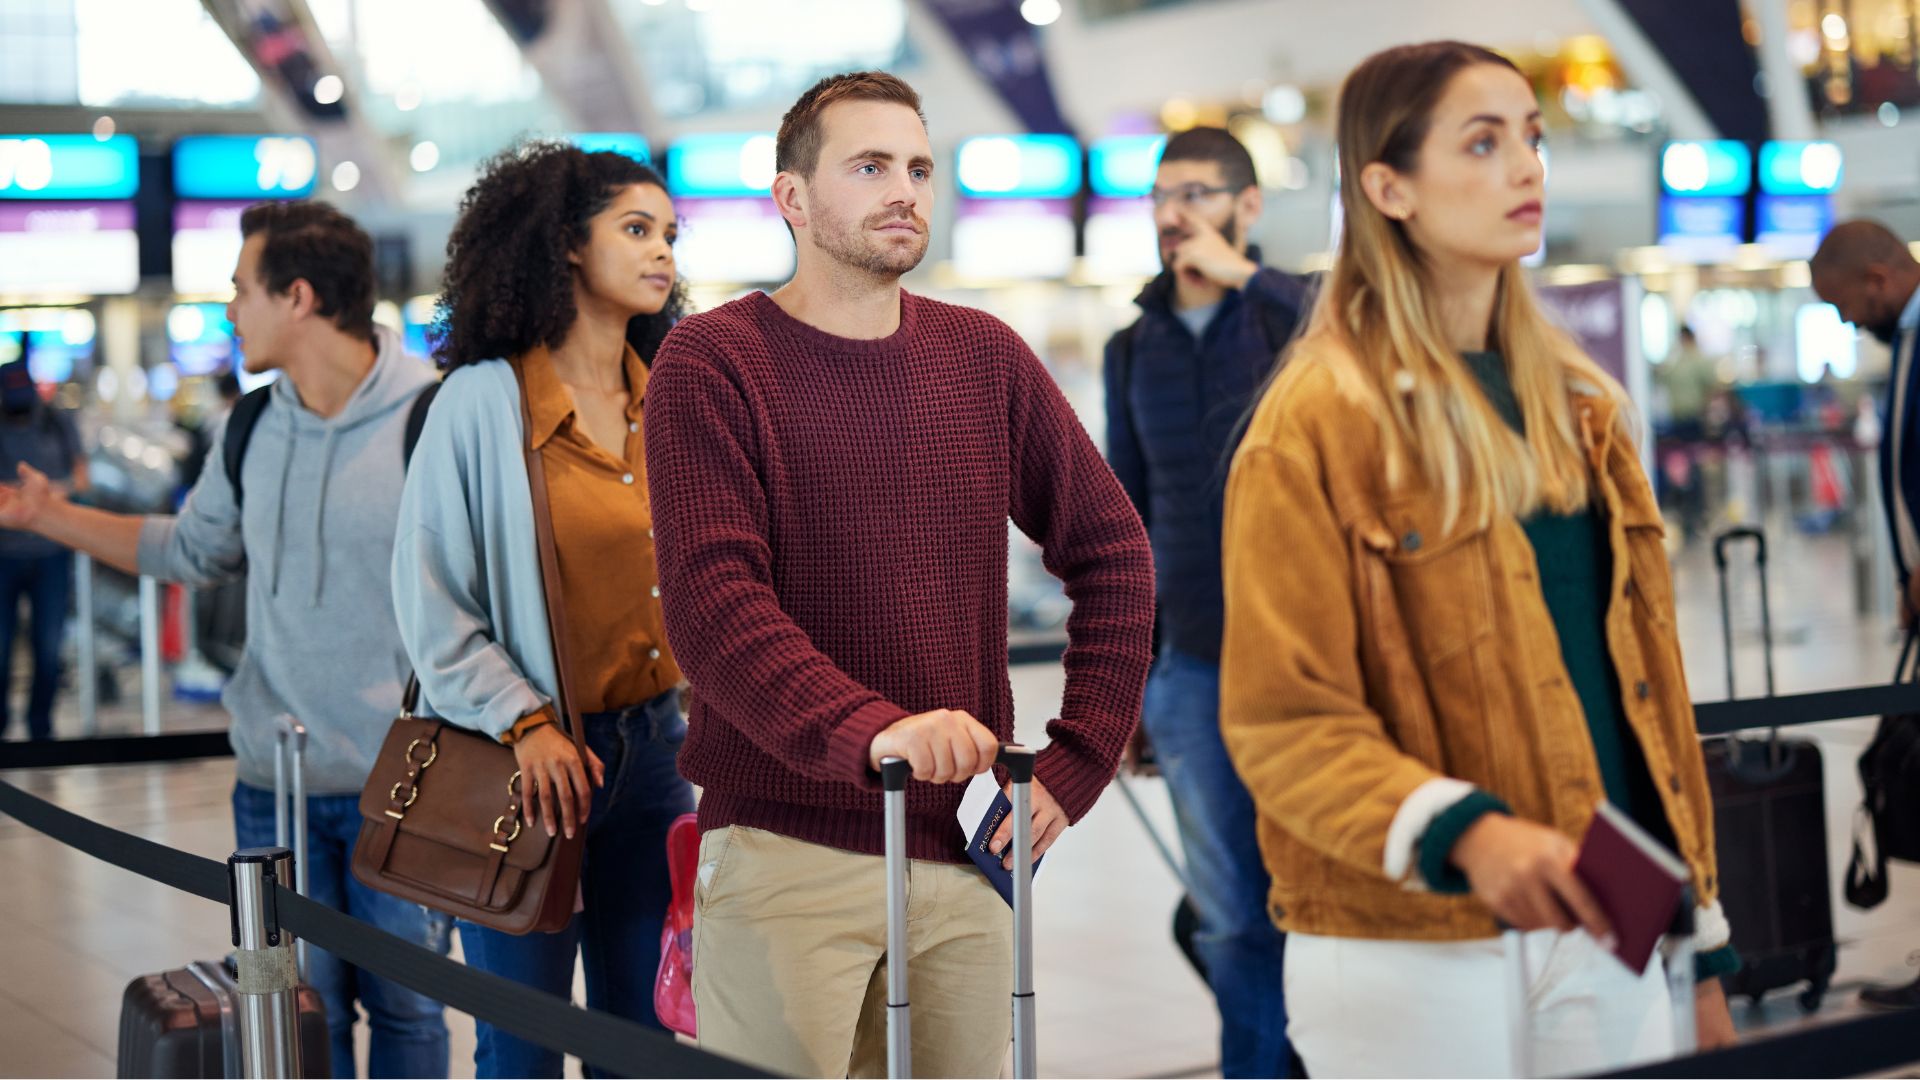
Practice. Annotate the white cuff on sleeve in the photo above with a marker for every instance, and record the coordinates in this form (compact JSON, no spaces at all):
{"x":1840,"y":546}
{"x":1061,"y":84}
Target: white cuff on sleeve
{"x":1410,"y":823}
{"x":1710,"y":928}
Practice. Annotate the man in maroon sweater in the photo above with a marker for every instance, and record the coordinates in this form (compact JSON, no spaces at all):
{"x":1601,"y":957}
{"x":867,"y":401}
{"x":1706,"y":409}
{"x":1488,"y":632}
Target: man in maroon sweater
{"x":833,"y":467}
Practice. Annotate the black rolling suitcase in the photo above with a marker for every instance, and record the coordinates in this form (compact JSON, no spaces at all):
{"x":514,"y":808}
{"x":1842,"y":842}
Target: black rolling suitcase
{"x":184,"y":1023}
{"x":1770,"y":828}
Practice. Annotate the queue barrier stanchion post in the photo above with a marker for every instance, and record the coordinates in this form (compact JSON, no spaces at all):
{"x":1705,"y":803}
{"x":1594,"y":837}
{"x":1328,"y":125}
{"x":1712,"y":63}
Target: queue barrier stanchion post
{"x":149,"y":655}
{"x":266,"y":971}
{"x":85,"y":644}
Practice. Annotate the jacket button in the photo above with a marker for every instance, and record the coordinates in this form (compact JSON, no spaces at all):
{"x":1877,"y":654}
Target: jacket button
{"x":1641,"y":690}
{"x":1411,"y":541}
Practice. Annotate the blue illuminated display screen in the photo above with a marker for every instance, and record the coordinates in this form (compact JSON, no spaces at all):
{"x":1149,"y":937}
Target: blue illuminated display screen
{"x":1019,"y":167}
{"x":1718,"y":168}
{"x":1800,"y":168}
{"x":245,"y":167}
{"x":201,"y":338}
{"x":1703,"y":227}
{"x":721,"y":166}
{"x":1792,"y":226}
{"x":619,"y":142}
{"x":1123,"y":167}
{"x":75,"y":167}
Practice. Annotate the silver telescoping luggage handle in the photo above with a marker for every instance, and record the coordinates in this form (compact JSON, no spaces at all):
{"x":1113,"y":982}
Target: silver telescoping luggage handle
{"x":894,"y":774}
{"x":290,"y":757}
{"x":1676,"y":953}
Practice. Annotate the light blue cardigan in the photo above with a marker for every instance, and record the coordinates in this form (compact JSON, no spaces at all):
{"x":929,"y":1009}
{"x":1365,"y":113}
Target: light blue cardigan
{"x":466,"y":567}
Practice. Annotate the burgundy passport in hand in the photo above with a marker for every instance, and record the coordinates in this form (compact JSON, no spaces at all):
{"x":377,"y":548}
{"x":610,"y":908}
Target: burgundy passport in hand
{"x":1636,"y":879}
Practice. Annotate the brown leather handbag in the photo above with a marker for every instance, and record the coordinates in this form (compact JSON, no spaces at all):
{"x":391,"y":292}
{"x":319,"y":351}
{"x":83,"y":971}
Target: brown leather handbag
{"x":443,"y":822}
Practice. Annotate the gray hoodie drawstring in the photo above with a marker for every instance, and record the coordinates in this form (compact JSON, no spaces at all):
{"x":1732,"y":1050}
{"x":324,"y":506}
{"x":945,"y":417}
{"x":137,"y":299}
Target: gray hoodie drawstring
{"x":320,"y":516}
{"x":280,"y":518}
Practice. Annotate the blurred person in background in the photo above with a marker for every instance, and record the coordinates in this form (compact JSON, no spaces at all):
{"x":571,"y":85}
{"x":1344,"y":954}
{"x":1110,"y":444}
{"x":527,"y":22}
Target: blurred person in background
{"x":1690,"y":381}
{"x":35,"y":434}
{"x":1430,"y":680}
{"x":1871,"y":276}
{"x":1179,"y":380}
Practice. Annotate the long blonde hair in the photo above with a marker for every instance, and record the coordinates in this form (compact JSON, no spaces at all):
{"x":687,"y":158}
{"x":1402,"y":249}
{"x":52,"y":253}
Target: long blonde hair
{"x":1376,"y":300}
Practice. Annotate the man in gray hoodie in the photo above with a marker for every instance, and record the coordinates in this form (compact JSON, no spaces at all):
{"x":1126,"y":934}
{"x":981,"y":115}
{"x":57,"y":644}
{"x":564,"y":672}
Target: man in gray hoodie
{"x":312,"y":526}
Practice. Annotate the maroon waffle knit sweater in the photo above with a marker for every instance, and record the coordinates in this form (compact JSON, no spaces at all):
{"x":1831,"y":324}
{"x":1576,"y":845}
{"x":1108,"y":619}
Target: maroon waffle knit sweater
{"x":830,"y":519}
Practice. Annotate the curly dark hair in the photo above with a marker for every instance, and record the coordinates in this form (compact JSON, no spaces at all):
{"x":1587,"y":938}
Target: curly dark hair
{"x":508,"y":286}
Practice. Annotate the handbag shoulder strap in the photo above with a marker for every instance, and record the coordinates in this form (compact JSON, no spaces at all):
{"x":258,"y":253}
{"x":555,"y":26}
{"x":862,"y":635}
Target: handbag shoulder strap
{"x":549,"y":570}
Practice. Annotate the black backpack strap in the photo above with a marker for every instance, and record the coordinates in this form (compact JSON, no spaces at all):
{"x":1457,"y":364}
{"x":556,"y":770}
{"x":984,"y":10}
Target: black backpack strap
{"x":240,"y":424}
{"x":417,"y":419}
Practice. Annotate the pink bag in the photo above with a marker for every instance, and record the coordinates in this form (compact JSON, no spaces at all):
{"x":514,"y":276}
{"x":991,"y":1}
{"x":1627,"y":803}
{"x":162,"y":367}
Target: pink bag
{"x":673,"y":987}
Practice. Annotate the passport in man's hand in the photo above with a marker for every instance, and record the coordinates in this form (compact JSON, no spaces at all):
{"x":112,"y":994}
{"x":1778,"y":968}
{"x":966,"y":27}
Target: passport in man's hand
{"x":982,"y":809}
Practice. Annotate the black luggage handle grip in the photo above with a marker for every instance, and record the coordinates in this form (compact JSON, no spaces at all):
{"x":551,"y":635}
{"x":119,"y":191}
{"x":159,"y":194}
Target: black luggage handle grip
{"x":1730,"y":536}
{"x":895,"y":771}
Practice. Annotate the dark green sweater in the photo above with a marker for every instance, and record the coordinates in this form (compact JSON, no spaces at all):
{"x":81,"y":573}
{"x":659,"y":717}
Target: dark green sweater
{"x":1574,"y":557}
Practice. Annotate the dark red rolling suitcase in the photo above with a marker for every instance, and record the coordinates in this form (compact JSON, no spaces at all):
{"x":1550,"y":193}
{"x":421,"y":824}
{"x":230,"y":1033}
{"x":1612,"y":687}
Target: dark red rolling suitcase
{"x":1770,"y":832}
{"x":181,"y":1023}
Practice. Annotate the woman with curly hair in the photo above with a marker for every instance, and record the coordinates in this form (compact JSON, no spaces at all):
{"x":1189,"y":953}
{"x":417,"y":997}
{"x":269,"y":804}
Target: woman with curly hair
{"x":559,"y":285}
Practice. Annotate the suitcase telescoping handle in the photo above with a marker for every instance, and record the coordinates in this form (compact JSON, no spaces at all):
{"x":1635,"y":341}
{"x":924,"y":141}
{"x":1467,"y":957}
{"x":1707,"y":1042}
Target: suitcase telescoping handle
{"x":1676,"y":953}
{"x":894,"y":774}
{"x":1780,"y":754}
{"x":1721,"y":542}
{"x":290,"y":772}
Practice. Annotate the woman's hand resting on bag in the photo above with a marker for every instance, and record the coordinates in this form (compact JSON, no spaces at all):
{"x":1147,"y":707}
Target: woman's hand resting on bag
{"x":1524,"y":872}
{"x":553,"y":780}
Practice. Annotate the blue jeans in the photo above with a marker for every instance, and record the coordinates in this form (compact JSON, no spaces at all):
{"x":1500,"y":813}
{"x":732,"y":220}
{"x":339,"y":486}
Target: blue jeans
{"x":45,"y":582}
{"x":623,"y":881}
{"x":1236,"y":939}
{"x":408,"y":1031}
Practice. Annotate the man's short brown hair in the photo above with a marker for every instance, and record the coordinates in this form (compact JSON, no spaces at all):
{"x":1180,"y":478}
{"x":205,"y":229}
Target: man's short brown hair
{"x":797,"y":147}
{"x":315,"y":242}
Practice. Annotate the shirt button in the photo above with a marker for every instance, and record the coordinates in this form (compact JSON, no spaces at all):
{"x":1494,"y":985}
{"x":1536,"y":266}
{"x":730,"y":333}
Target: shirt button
{"x":656,"y":592}
{"x":653,"y":654}
{"x":1673,"y":782}
{"x":649,"y":534}
{"x":1641,"y":690}
{"x":1411,"y":541}
{"x":627,"y":479}
{"x":631,"y":426}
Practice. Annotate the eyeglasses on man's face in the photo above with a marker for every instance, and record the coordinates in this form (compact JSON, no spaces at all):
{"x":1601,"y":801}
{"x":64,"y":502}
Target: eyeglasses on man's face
{"x":1188,"y":195}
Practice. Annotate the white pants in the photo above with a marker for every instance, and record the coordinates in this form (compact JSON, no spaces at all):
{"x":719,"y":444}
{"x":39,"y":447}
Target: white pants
{"x":1410,"y":1008}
